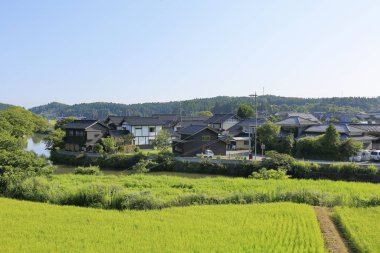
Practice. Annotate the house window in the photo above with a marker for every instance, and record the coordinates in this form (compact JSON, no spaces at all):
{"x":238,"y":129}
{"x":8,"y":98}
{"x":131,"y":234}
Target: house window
{"x":79,"y":133}
{"x":71,"y":133}
{"x":206,"y":138}
{"x":152,"y":129}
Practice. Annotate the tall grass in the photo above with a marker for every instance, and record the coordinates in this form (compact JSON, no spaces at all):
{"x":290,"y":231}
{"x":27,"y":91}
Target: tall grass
{"x":285,"y":227}
{"x":155,"y":192}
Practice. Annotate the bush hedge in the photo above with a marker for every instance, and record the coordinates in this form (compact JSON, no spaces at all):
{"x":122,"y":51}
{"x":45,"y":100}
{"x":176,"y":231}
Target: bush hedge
{"x":115,"y":161}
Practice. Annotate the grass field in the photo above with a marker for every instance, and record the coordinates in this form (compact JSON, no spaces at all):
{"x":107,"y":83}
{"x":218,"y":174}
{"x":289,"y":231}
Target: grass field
{"x":281,"y":227}
{"x":361,"y":226}
{"x":151,"y":191}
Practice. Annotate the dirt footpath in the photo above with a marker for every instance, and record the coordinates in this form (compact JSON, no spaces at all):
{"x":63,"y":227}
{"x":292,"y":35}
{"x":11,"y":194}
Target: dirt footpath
{"x":333,"y":239}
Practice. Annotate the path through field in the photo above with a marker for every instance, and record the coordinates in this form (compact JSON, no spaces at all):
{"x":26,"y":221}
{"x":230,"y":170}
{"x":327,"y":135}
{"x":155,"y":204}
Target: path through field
{"x":333,"y":239}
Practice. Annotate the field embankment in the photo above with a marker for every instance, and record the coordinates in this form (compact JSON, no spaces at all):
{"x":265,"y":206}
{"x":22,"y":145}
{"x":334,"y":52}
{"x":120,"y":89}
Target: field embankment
{"x":155,"y":192}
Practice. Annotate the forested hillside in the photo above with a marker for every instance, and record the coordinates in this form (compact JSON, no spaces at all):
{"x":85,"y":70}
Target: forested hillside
{"x":4,"y":106}
{"x":221,"y":104}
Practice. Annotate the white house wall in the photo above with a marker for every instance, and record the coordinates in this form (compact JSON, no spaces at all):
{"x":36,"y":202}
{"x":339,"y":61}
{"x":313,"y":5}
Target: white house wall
{"x":229,"y":123}
{"x":143,"y":136}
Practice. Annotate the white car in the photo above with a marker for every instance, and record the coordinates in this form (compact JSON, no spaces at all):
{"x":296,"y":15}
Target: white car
{"x":207,"y":153}
{"x":355,"y":158}
{"x":365,"y":155}
{"x":361,"y":156}
{"x":375,"y":155}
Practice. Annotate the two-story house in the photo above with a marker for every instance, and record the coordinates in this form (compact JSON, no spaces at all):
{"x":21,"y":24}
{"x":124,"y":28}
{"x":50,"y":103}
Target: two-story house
{"x":144,"y":129}
{"x":195,"y":139}
{"x":82,"y":135}
{"x":223,"y":122}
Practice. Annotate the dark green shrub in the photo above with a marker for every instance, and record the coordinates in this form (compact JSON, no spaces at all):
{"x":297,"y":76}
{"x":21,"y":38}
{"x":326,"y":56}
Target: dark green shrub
{"x":269,"y":174}
{"x":143,"y":166}
{"x":140,"y":201}
{"x":92,"y":170}
{"x":301,"y":169}
{"x":275,"y":160}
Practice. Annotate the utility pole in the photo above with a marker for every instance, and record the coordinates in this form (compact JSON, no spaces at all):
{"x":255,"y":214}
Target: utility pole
{"x":255,"y":132}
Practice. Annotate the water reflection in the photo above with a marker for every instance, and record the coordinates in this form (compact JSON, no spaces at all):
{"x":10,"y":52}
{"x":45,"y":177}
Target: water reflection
{"x":36,"y":145}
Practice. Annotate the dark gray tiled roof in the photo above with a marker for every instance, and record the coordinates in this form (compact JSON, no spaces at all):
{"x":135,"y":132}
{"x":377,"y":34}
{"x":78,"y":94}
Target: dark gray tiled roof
{"x":118,"y":133}
{"x":166,"y":117}
{"x":220,"y":118}
{"x":296,"y":121}
{"x":193,"y":129}
{"x":115,"y":119}
{"x":80,"y":124}
{"x":143,"y":121}
{"x":370,"y":128}
{"x":246,"y":123}
{"x":307,"y":116}
{"x":341,"y":128}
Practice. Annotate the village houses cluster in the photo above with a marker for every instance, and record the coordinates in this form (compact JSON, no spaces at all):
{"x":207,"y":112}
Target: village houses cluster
{"x":191,"y":135}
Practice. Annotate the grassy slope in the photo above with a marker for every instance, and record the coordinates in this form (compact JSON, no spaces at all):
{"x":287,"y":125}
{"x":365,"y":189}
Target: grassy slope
{"x":361,"y":226}
{"x":224,"y":190}
{"x":33,"y":227}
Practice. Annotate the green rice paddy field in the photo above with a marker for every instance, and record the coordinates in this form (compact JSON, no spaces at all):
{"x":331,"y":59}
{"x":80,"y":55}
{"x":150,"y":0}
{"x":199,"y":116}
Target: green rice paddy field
{"x":275,"y":227}
{"x":361,"y":226}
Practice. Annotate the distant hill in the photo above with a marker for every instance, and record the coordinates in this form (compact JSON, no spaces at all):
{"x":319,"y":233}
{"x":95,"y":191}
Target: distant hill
{"x":222,"y":104}
{"x":4,"y":106}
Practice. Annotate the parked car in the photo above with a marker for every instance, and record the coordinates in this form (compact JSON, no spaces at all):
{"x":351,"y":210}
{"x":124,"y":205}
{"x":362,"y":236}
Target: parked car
{"x":355,"y":158}
{"x":365,"y":155}
{"x":375,"y":155}
{"x":361,"y":156}
{"x":207,"y":153}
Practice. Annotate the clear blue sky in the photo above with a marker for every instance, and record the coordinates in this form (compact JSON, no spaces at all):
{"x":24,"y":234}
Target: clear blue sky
{"x":147,"y":51}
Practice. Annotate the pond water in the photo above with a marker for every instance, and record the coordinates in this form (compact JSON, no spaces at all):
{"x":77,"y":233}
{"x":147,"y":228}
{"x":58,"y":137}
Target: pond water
{"x":36,"y":145}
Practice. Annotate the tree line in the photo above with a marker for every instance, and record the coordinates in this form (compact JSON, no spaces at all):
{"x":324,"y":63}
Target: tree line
{"x":221,"y":104}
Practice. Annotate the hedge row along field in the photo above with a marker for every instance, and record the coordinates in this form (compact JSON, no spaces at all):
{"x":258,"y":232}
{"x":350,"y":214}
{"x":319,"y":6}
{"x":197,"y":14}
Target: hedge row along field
{"x":155,"y":192}
{"x":283,"y":227}
{"x":361,"y":226}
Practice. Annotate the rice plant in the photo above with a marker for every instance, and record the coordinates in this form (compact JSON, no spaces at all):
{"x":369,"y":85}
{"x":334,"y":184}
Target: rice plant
{"x":282,"y":227}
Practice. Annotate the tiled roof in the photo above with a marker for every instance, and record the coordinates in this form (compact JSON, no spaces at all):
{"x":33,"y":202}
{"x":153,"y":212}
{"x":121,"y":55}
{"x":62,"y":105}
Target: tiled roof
{"x":220,"y":118}
{"x":341,"y":128}
{"x":118,"y":133}
{"x":370,"y":128}
{"x":193,"y":129}
{"x":143,"y":121}
{"x":296,"y":121}
{"x":246,"y":123}
{"x":307,"y":116}
{"x":81,"y":124}
{"x":115,"y":119}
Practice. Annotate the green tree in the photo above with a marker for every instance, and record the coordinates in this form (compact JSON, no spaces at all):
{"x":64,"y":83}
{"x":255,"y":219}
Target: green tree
{"x":267,"y":134}
{"x":10,"y":143}
{"x":162,"y":140}
{"x":349,"y":148}
{"x":55,"y":140}
{"x":108,"y":144}
{"x":128,"y":139}
{"x":285,"y":144}
{"x":205,"y":114}
{"x":245,"y":111}
{"x":330,"y":140}
{"x":62,"y":122}
{"x":23,"y":122}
